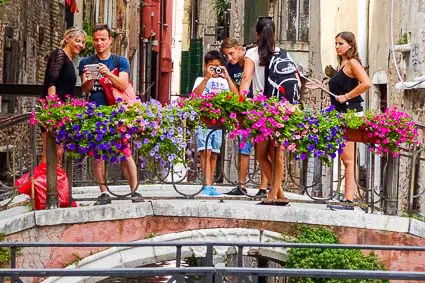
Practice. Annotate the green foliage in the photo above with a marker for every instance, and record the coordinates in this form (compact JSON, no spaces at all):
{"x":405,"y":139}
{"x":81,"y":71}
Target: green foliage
{"x":403,"y":39}
{"x":352,"y":120}
{"x":5,"y":253}
{"x":416,"y":216}
{"x":220,"y":6}
{"x":311,"y":134}
{"x":3,"y":2}
{"x":329,"y":258}
{"x":89,"y":49}
{"x":219,"y":109}
{"x":151,"y":235}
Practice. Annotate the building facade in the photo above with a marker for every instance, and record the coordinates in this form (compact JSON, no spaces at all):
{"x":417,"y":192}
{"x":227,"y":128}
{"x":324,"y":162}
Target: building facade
{"x":29,"y":31}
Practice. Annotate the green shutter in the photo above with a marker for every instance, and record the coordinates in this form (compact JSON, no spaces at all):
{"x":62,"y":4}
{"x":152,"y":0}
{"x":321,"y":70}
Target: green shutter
{"x":191,"y":66}
{"x":253,"y":10}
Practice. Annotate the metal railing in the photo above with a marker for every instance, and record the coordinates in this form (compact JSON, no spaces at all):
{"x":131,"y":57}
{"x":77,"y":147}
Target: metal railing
{"x":373,"y":196}
{"x":210,"y":273}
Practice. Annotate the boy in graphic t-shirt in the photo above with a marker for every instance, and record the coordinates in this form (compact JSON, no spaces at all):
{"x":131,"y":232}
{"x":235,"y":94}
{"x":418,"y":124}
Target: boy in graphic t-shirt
{"x":212,"y":82}
{"x":235,"y":55}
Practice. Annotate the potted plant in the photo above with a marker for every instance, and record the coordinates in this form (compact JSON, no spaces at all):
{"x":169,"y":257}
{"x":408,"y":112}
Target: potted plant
{"x":311,"y":133}
{"x":354,"y":130}
{"x":165,"y":137}
{"x":222,"y":109}
{"x":391,"y":130}
{"x":263,"y":118}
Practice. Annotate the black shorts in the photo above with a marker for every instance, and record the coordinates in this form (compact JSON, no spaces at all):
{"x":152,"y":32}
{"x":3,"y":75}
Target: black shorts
{"x":344,"y":107}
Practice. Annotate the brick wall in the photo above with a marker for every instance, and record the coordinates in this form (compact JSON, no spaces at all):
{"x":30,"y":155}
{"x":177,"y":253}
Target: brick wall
{"x":38,"y":27}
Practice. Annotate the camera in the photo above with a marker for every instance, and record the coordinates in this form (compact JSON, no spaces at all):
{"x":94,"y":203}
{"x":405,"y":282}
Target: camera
{"x":93,"y":69}
{"x":216,"y":70}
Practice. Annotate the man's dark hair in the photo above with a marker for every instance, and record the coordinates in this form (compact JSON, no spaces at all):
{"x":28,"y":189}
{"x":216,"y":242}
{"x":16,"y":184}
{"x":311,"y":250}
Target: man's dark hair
{"x":99,"y":27}
{"x":213,"y":55}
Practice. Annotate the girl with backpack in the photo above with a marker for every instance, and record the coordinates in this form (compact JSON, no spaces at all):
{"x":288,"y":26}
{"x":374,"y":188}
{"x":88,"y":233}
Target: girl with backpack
{"x":256,"y":65}
{"x":348,"y":83}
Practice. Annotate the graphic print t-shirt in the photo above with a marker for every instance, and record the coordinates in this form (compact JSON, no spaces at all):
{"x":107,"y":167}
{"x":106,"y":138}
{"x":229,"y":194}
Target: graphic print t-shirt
{"x":235,"y":72}
{"x":214,"y":85}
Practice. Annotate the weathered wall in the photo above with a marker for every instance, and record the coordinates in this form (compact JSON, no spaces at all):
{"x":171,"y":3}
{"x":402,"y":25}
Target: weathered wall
{"x":38,"y":27}
{"x":237,"y":19}
{"x":336,"y":16}
{"x":206,"y":25}
{"x":409,"y":27}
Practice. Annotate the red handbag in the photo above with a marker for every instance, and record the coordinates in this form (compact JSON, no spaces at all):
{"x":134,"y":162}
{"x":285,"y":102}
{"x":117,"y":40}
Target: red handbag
{"x":112,"y":93}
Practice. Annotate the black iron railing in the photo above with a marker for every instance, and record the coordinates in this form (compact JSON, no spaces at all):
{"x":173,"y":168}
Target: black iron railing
{"x":211,"y":273}
{"x":383,"y":195}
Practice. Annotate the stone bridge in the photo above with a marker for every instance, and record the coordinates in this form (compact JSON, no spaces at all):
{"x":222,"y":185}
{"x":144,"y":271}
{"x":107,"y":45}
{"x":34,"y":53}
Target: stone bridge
{"x":216,"y":219}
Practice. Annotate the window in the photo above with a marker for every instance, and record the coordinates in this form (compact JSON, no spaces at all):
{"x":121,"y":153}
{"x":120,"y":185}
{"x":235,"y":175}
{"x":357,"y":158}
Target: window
{"x":253,"y":10}
{"x":296,"y":13}
{"x":109,"y":13}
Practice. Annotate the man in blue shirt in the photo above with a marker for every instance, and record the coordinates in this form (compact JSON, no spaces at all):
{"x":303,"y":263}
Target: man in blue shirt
{"x":107,"y":62}
{"x":235,"y":56}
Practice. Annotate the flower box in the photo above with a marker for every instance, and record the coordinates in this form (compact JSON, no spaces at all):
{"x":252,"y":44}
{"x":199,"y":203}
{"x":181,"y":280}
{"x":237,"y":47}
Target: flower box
{"x":211,"y":123}
{"x":358,"y":135}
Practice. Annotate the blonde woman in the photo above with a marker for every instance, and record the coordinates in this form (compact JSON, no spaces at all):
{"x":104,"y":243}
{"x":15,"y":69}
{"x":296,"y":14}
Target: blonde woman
{"x":60,"y":76}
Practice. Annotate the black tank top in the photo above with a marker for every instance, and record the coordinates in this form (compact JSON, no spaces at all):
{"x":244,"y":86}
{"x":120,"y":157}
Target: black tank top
{"x":341,"y":84}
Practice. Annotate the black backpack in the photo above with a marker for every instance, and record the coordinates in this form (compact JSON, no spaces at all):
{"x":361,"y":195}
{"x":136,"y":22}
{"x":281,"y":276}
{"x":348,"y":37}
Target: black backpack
{"x":280,"y":77}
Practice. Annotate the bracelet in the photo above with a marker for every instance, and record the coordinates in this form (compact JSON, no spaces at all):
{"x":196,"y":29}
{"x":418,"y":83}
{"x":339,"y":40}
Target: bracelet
{"x":346,"y":96}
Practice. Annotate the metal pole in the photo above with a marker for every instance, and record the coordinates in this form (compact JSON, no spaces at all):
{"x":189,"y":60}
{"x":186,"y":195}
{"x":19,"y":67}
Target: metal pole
{"x":33,"y":163}
{"x":180,"y":277}
{"x":52,"y":180}
{"x":371,"y":189}
{"x":209,"y":262}
{"x":13,"y":263}
{"x":391,"y":189}
{"x":240,"y":261}
{"x":410,"y":195}
{"x":69,"y":174}
{"x":142,"y":54}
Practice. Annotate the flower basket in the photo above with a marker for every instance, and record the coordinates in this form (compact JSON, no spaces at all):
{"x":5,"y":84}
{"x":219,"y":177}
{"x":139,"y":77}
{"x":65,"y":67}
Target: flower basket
{"x":358,"y":135}
{"x":211,"y":123}
{"x":240,"y":119}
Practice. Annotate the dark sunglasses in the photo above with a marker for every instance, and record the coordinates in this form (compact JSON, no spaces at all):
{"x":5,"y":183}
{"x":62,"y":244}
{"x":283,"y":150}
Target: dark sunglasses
{"x":264,"y":17}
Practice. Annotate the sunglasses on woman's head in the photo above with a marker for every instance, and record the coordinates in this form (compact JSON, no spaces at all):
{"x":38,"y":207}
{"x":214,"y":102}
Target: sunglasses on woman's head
{"x":264,"y":17}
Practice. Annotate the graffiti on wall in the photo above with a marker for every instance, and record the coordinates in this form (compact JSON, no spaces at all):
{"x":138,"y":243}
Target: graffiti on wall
{"x":417,"y":53}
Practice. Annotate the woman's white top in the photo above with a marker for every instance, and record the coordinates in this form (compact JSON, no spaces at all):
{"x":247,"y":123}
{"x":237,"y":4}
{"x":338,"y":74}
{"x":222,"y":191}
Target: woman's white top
{"x":258,"y":76}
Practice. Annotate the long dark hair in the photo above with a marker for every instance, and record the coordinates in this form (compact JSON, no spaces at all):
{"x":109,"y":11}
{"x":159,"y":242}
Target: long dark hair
{"x":350,"y":38}
{"x":266,"y":43}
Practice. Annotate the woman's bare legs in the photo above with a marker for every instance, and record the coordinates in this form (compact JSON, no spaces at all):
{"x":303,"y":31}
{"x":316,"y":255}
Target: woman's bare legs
{"x":347,"y":158}
{"x":276,"y":156}
{"x":268,"y":167}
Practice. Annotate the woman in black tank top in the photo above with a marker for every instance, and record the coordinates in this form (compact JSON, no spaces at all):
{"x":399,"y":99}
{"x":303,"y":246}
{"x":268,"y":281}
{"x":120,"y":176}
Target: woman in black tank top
{"x":347,"y":84}
{"x":340,"y":84}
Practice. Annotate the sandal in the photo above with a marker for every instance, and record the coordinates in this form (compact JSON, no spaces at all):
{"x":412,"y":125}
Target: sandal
{"x":279,"y":202}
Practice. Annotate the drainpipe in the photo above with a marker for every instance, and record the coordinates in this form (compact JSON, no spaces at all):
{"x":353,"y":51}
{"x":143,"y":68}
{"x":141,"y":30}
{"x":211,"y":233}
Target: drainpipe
{"x":365,"y":158}
{"x":142,"y":58}
{"x":194,"y":22}
{"x":363,"y":32}
{"x":159,"y":60}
